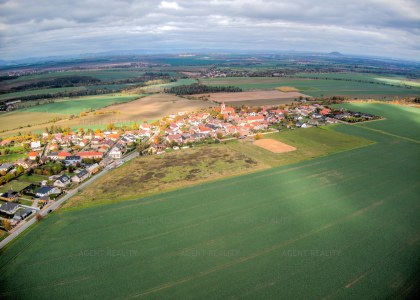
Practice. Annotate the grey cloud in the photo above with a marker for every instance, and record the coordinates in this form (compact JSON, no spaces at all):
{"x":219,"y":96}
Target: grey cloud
{"x":45,"y":27}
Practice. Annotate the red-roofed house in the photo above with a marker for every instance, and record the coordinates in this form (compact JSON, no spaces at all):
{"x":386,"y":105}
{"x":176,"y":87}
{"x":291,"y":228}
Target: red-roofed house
{"x":325,"y":111}
{"x":253,"y":119}
{"x":33,"y":155}
{"x":62,"y":155}
{"x":90,"y":154}
{"x":203,"y":129}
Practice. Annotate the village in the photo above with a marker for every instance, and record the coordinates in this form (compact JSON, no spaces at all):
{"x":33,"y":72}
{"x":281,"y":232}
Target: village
{"x":58,"y":162}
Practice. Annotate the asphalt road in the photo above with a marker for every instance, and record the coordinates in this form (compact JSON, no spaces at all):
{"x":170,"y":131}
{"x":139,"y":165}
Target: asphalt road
{"x":55,"y":205}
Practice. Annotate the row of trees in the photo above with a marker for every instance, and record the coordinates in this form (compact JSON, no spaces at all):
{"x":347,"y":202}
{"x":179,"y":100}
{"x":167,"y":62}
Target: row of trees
{"x":68,"y":81}
{"x":197,"y":88}
{"x":6,"y":177}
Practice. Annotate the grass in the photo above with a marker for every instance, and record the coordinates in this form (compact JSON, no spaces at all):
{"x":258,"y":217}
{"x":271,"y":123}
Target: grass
{"x":80,"y":104}
{"x":14,"y":185}
{"x":12,"y":157}
{"x":344,"y":226}
{"x":25,"y":120}
{"x":317,"y":87}
{"x":25,"y":202}
{"x":154,"y":174}
{"x":34,"y":178}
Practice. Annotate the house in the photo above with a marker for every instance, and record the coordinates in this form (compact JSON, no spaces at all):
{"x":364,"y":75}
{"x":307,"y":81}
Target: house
{"x":36,"y":145}
{"x":92,"y":169}
{"x":62,"y":181}
{"x":254,"y":119}
{"x":5,"y":167}
{"x":25,"y":163}
{"x":79,"y":177}
{"x":22,"y":214}
{"x":9,"y":208}
{"x":90,"y":155}
{"x":52,"y":155}
{"x":47,"y":191}
{"x":325,"y":111}
{"x":10,"y":195}
{"x":63,"y":155}
{"x":115,"y":153}
{"x":174,"y":138}
{"x":72,"y":160}
{"x":157,"y":148}
{"x":33,"y":155}
{"x":226,"y":110}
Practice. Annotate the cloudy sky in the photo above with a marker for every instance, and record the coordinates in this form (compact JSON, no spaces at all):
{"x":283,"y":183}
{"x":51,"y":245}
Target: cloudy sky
{"x":31,"y":28}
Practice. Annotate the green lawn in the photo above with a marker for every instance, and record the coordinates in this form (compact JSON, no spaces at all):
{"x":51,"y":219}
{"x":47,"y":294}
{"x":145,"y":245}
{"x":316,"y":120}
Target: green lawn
{"x":15,"y":185}
{"x":12,"y":157}
{"x":341,"y":226}
{"x":310,"y":143}
{"x":79,"y":104}
{"x":33,"y":178}
{"x":317,"y":87}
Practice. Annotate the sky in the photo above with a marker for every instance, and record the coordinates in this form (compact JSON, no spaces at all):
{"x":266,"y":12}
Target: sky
{"x":39,"y":28}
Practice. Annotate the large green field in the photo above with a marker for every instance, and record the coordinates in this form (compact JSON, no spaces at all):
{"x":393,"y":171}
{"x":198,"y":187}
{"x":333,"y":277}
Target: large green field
{"x":318,"y":87}
{"x":103,"y":75}
{"x":339,"y":226}
{"x":79,"y":104}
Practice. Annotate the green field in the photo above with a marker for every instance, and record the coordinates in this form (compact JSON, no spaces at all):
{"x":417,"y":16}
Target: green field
{"x":317,"y":87}
{"x":79,"y":104}
{"x":12,"y":157}
{"x":103,"y":75}
{"x":339,"y":226}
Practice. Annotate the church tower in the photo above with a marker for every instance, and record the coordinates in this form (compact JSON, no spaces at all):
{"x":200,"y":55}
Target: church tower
{"x":222,"y":108}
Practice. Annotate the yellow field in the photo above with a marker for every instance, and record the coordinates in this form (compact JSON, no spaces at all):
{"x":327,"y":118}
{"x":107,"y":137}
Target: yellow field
{"x":15,"y":119}
{"x":148,"y":108}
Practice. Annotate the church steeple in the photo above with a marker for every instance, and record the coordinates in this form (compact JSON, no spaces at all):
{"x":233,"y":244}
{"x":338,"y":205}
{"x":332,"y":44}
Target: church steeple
{"x":222,"y":107}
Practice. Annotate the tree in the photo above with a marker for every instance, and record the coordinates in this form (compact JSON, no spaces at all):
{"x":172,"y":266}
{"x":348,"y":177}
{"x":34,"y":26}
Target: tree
{"x":258,"y":136}
{"x":142,"y":146}
{"x":6,"y":224}
{"x":19,"y":170}
{"x":110,"y":126}
{"x":135,"y":126}
{"x":219,"y":135}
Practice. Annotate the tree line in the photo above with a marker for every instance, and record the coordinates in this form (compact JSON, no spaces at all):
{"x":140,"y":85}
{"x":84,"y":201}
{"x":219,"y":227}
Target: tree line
{"x":197,"y":88}
{"x":68,"y":81}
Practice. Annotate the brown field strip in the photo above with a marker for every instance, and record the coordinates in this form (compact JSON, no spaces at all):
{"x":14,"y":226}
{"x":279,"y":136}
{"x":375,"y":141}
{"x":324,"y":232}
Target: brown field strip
{"x":253,"y":95}
{"x":274,"y":146}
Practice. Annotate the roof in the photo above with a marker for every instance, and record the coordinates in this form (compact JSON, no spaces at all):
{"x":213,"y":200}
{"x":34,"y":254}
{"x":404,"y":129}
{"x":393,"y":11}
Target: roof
{"x":89,"y":153}
{"x":63,"y":178}
{"x":6,"y":166}
{"x":64,"y":153}
{"x":74,"y":157}
{"x":43,"y":189}
{"x":9,"y":206}
{"x":82,"y":173}
{"x":33,"y":153}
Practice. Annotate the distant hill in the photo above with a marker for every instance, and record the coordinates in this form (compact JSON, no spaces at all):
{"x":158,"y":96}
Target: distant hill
{"x":335,"y":53}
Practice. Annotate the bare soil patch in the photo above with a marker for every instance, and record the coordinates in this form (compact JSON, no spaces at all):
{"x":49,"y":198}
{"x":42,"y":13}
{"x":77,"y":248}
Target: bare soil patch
{"x":287,"y":89}
{"x":253,"y":95}
{"x":274,"y":146}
